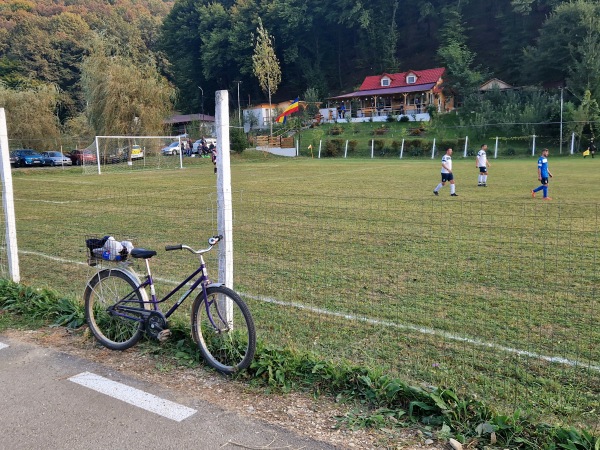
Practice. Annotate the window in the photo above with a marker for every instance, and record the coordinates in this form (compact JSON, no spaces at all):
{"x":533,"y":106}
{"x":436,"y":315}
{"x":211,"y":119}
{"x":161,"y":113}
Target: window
{"x":385,"y":81}
{"x":411,"y":79}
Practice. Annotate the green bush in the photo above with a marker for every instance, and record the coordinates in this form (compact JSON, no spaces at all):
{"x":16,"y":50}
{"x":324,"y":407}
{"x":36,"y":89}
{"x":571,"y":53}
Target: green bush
{"x":333,"y":148}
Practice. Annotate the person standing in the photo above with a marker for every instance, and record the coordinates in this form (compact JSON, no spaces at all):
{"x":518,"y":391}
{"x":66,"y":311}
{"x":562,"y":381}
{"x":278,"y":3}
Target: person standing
{"x":592,"y":148}
{"x":482,"y":163}
{"x":543,"y":175}
{"x":447,"y":174}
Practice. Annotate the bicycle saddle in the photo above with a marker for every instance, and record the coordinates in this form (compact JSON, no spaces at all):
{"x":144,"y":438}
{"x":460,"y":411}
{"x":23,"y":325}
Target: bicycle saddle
{"x":142,"y":253}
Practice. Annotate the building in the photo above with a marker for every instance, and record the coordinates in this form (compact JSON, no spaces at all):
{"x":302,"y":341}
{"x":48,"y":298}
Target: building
{"x":259,"y":116}
{"x":189,"y":123}
{"x":408,"y":93}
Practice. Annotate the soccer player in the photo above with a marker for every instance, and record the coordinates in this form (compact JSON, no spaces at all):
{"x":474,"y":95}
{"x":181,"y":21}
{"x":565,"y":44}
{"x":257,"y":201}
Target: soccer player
{"x":482,"y":163}
{"x":447,"y":174}
{"x":543,"y":175}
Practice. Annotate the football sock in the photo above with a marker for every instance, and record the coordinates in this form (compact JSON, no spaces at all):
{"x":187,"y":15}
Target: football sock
{"x":545,"y":189}
{"x":438,"y":187}
{"x":484,"y":179}
{"x":452,"y":189}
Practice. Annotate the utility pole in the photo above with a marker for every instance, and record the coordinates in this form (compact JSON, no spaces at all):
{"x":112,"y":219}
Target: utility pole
{"x":239,"y":108}
{"x":561,"y":118}
{"x":202,"y":102}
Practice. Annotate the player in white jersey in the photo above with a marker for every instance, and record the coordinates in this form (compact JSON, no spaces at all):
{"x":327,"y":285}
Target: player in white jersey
{"x":482,"y":163}
{"x":447,"y":174}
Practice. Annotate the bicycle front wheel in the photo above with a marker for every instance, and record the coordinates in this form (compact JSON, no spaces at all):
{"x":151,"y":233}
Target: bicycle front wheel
{"x":223,"y":328}
{"x":110,"y":326}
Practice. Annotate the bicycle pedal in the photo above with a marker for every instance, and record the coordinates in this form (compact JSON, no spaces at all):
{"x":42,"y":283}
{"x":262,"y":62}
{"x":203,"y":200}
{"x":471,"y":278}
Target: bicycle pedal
{"x":163,"y":335}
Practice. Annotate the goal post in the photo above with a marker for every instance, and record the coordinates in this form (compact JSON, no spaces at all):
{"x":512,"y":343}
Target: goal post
{"x":127,"y":153}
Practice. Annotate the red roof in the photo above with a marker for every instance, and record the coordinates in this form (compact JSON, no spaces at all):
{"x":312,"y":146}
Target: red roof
{"x":399,"y":79}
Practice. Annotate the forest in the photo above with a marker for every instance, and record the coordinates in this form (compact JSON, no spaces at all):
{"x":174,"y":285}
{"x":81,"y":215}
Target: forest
{"x":77,"y":53}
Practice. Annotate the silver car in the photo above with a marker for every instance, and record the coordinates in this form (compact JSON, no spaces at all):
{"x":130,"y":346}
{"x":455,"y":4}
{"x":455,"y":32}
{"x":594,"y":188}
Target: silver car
{"x":56,"y":159}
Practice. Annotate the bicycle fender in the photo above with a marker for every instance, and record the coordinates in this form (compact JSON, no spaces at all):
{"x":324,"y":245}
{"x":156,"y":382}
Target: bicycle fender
{"x":215,"y":285}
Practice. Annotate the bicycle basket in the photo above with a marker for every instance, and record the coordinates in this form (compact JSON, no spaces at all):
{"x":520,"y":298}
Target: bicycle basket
{"x":106,"y":249}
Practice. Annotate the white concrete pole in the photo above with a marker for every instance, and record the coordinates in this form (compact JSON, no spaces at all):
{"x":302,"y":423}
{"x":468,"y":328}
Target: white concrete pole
{"x":12,"y":254}
{"x":433,"y":149}
{"x":224,"y":205}
{"x":346,"y":149}
{"x":533,"y":146}
{"x":372,"y":147}
{"x":573,"y":143}
{"x":402,"y":149}
{"x":496,"y":149}
{"x":466,"y":146}
{"x":320,"y":149}
{"x":97,"y":157}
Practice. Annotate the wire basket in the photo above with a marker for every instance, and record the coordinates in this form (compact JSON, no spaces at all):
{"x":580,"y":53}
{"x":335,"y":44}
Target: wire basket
{"x":106,"y":249}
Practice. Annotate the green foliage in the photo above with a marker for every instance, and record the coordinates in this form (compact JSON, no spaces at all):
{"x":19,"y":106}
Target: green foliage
{"x":238,"y":140}
{"x":40,"y":305}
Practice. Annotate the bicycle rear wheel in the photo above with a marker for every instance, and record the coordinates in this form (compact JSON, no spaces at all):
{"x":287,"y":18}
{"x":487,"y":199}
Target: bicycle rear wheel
{"x":105,"y":289}
{"x":223,"y":328}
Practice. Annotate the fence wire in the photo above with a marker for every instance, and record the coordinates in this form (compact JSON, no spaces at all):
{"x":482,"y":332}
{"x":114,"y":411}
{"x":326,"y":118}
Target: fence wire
{"x":498,"y":301}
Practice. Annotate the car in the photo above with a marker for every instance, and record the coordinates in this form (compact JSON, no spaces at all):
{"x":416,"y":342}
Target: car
{"x":113,"y":156}
{"x":28,"y":158}
{"x":173,"y":148}
{"x":136,"y":152}
{"x":80,"y":157}
{"x":56,"y":159}
{"x":197,"y":146}
{"x":13,"y":159}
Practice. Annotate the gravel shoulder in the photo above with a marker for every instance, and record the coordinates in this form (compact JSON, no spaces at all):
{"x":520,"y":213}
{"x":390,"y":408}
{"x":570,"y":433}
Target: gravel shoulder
{"x":299,"y":412}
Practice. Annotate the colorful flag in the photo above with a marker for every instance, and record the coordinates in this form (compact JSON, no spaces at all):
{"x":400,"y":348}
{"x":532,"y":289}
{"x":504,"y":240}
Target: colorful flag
{"x":281,"y":118}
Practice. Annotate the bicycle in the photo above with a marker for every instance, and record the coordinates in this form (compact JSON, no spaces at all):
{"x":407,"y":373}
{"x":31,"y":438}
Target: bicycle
{"x":118,"y":310}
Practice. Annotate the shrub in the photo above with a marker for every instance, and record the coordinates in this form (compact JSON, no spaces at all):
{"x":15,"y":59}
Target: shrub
{"x":404,"y":119}
{"x":352,"y":146}
{"x":333,"y":148}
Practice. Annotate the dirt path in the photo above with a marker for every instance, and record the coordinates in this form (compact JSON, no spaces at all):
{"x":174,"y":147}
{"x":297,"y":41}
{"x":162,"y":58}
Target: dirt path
{"x":295,"y":411}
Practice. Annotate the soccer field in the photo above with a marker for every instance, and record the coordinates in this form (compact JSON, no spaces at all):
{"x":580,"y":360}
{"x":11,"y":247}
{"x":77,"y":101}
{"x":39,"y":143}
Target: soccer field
{"x":493,"y":293}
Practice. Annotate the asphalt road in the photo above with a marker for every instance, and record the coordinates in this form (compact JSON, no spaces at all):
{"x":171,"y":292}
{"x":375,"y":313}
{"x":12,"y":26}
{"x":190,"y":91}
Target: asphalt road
{"x":51,"y":400}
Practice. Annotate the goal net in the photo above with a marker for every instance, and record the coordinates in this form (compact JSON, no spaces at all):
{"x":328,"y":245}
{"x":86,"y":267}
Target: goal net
{"x":127,"y":153}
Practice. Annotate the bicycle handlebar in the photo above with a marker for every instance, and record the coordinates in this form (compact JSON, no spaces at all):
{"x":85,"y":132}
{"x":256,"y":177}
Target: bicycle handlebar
{"x":211,"y":242}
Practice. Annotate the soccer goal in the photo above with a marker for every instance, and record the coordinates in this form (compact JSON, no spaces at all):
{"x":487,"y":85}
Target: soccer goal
{"x":127,"y":153}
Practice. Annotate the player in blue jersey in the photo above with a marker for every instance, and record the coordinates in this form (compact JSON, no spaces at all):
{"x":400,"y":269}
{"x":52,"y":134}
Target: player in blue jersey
{"x":447,"y":174}
{"x":543,"y":175}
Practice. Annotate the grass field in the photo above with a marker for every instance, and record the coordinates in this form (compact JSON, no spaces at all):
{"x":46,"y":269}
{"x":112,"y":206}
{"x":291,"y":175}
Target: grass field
{"x":492,"y":293}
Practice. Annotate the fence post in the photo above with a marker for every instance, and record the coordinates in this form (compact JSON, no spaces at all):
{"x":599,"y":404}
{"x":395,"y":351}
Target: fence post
{"x":320,"y":149}
{"x":496,"y":149}
{"x":573,"y":143}
{"x":533,"y":146}
{"x":372,"y":147}
{"x":433,"y":149}
{"x":402,"y":149}
{"x":97,"y":156}
{"x":297,"y":147}
{"x":466,"y":146}
{"x":224,"y":205}
{"x":346,"y":149}
{"x":12,"y":254}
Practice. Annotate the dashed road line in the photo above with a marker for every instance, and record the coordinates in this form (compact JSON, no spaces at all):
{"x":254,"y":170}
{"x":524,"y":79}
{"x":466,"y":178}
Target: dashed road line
{"x":133,"y":396}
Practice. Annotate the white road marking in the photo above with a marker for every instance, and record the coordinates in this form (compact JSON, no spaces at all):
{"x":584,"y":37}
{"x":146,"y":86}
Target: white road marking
{"x":133,"y":396}
{"x":3,"y":345}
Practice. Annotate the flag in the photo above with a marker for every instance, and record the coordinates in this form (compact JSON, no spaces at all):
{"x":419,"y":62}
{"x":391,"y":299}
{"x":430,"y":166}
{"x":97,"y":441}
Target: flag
{"x":281,"y":118}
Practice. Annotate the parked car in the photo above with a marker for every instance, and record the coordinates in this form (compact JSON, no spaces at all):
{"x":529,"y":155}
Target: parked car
{"x":136,"y":152}
{"x":13,"y":159}
{"x":113,"y":156}
{"x":82,"y":156}
{"x":56,"y":159}
{"x":172,"y":149}
{"x":28,"y":158}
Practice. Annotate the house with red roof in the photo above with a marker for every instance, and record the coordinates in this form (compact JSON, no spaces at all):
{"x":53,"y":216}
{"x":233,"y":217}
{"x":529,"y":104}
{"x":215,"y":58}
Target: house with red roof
{"x":408,"y":93}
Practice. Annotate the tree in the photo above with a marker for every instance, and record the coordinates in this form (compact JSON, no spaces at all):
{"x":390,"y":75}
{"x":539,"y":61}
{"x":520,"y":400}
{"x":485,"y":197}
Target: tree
{"x":31,"y":116}
{"x":266,"y":65}
{"x":462,"y":77}
{"x":124,"y":97}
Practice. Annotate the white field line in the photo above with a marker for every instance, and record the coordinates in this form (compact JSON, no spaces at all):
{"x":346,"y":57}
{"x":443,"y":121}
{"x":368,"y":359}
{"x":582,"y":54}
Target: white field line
{"x":422,"y":330}
{"x":133,"y":396}
{"x":3,"y":345}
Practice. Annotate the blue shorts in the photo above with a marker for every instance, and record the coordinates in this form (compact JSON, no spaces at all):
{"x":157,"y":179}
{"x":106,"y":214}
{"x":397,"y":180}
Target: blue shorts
{"x":447,"y":177}
{"x":483,"y":169}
